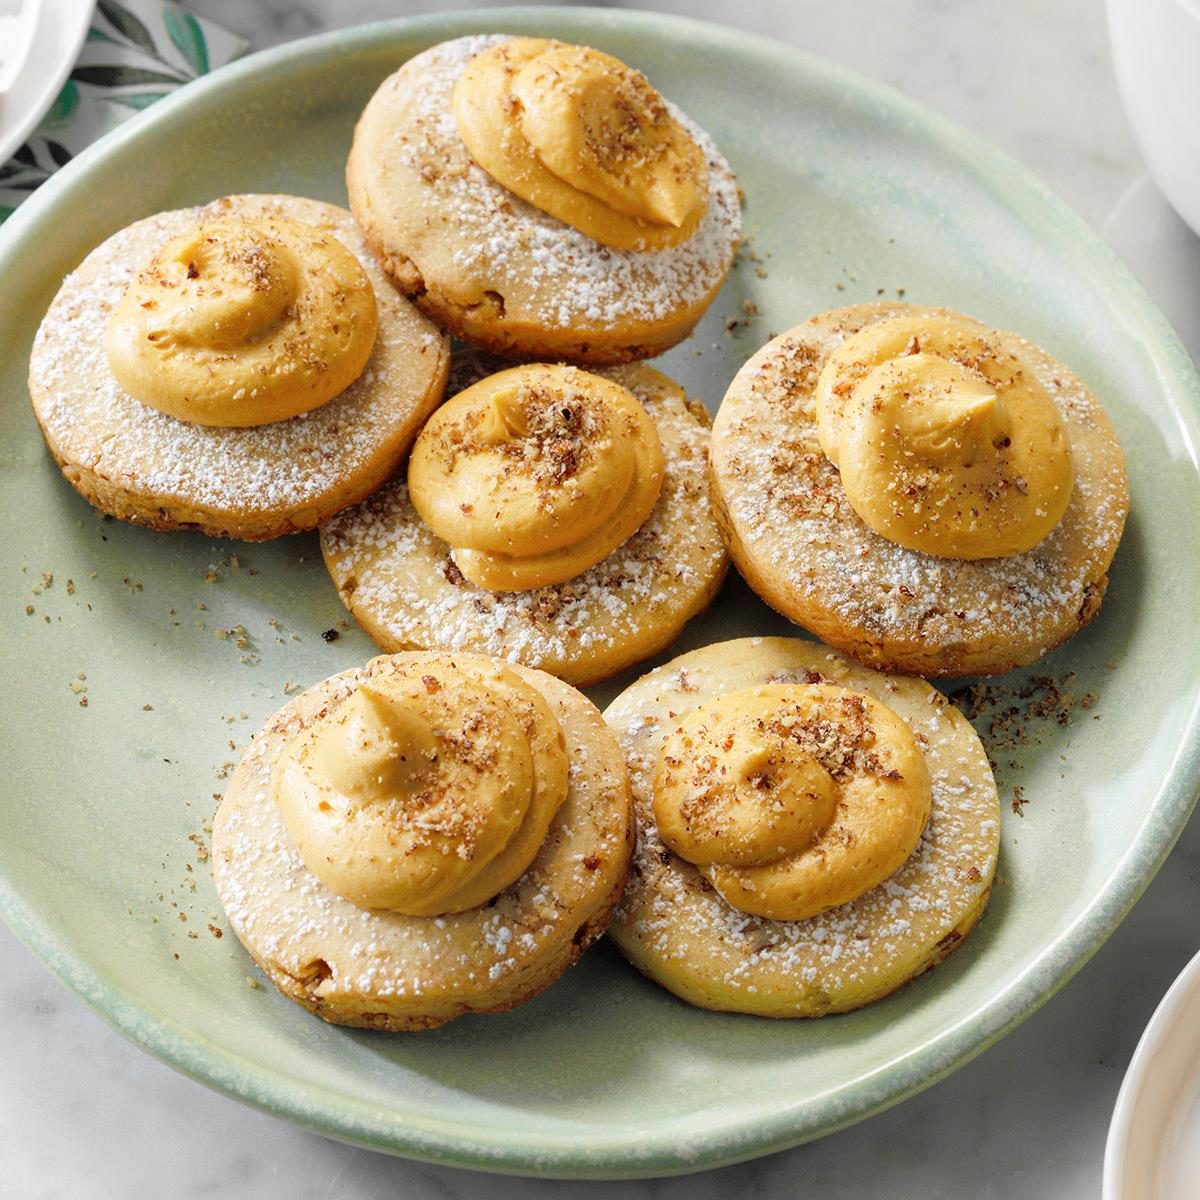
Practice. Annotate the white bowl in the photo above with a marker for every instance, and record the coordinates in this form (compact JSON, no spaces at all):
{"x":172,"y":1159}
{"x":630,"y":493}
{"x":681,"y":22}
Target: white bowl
{"x":1153,"y":1150}
{"x":1156,"y":53}
{"x":61,"y":26}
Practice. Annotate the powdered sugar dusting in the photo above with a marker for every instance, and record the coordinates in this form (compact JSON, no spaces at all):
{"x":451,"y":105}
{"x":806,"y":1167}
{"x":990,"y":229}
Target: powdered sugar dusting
{"x":773,"y":476}
{"x":290,"y":921}
{"x":671,"y":914}
{"x":469,"y":235}
{"x":284,"y":466}
{"x":399,"y":579}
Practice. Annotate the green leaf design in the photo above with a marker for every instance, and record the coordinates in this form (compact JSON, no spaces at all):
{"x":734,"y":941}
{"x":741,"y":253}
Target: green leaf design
{"x":138,"y":100}
{"x":115,"y":76}
{"x":188,"y":37}
{"x":127,"y":25}
{"x":5,"y":213}
{"x":58,"y":152}
{"x":62,"y":108}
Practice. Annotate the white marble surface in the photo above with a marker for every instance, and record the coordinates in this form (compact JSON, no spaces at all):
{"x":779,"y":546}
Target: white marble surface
{"x":85,"y":1114}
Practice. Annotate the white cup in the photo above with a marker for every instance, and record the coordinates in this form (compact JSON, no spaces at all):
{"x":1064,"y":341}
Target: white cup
{"x":1156,"y":53}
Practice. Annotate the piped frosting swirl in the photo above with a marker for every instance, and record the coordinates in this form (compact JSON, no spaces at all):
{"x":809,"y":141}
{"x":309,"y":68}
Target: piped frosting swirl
{"x":585,"y":138}
{"x":429,"y":789}
{"x":792,"y":798}
{"x":241,"y":322}
{"x":535,"y":474}
{"x":946,"y":443}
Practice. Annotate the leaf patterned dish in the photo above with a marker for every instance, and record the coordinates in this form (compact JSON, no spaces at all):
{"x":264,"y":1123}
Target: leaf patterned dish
{"x":135,"y":53}
{"x":61,"y":26}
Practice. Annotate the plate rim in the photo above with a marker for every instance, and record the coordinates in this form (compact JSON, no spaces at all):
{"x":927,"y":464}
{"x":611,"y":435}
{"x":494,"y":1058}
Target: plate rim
{"x":609,"y":1155}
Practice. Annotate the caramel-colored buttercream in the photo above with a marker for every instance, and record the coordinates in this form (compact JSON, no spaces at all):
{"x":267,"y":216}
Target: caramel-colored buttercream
{"x":585,"y":138}
{"x":535,"y":474}
{"x":946,"y":443}
{"x":241,"y":322}
{"x":428,"y":790}
{"x":792,"y":798}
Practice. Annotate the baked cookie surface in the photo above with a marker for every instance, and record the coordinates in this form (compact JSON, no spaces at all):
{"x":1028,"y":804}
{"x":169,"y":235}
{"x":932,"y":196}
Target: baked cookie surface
{"x":801,"y":546}
{"x":402,"y":585}
{"x":500,"y":273}
{"x":676,"y":928}
{"x":387,"y":970}
{"x":142,"y":465}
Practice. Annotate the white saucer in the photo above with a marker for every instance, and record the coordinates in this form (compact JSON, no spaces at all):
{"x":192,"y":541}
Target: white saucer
{"x":61,"y":27}
{"x":1153,"y":1150}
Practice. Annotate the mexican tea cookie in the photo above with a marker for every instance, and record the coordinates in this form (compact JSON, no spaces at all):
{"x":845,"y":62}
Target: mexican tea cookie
{"x":425,"y":837}
{"x":929,"y":495}
{"x":542,"y":200}
{"x":551,"y":516}
{"x":243,"y":368}
{"x":811,"y":834}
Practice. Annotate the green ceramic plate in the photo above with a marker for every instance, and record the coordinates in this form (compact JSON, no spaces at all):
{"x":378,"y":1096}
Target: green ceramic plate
{"x":851,"y":191}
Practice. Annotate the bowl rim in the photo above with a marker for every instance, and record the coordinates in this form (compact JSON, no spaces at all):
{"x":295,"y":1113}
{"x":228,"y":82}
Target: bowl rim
{"x":1184,"y":993}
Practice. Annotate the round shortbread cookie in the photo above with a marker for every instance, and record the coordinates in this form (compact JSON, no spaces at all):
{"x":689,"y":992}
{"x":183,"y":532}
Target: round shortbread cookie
{"x":400,"y":582}
{"x":141,"y":465}
{"x":500,"y":273}
{"x":678,"y":930}
{"x":384,"y":970}
{"x":795,"y":538}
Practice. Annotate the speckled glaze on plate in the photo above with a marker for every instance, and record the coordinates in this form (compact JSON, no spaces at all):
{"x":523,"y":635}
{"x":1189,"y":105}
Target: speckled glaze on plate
{"x":851,"y":190}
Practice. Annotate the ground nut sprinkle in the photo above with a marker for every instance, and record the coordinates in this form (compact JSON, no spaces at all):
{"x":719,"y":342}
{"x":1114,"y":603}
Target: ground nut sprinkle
{"x":285,"y":465}
{"x":774,"y":476}
{"x":519,"y":249}
{"x":671,"y":913}
{"x":401,"y":581}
